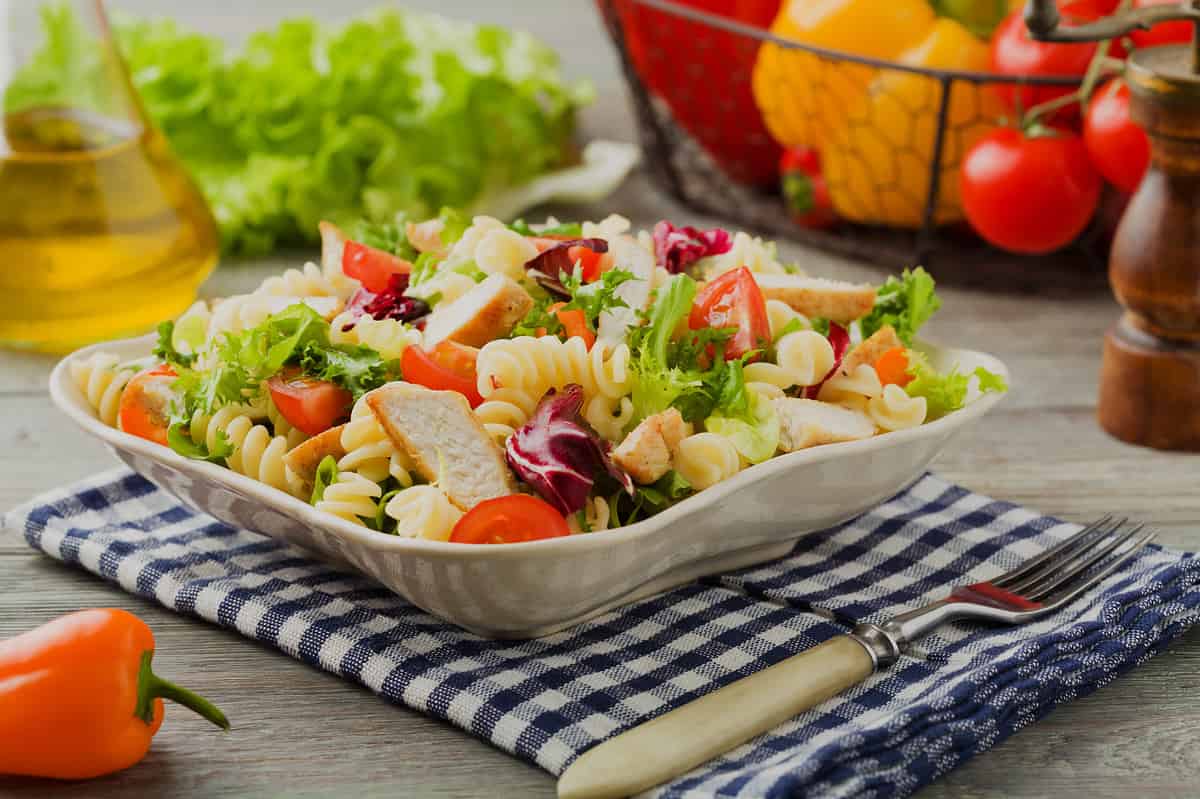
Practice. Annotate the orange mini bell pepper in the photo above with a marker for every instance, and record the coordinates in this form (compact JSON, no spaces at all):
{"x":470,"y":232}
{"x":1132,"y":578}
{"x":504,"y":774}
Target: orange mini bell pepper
{"x":78,"y":698}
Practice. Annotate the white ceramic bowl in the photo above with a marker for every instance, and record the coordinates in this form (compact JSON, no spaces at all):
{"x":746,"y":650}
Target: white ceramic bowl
{"x":537,"y":588}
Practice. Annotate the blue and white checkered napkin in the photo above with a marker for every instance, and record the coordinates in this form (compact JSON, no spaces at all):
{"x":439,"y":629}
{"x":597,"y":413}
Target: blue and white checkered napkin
{"x":548,"y":700}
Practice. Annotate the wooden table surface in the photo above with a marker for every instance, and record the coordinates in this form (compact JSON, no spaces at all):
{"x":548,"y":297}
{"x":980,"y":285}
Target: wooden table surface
{"x":300,"y":732}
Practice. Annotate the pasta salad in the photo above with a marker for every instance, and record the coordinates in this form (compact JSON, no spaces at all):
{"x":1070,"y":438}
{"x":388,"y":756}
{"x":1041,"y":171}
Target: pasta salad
{"x":480,"y":382}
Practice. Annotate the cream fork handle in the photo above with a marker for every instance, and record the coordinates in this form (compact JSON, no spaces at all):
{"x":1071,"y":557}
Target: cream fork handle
{"x":677,"y":742}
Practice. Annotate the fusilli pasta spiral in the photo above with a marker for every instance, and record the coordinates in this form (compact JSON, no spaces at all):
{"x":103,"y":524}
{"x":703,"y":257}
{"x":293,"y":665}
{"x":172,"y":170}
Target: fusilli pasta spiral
{"x":102,"y":379}
{"x":423,"y":511}
{"x":351,"y":497}
{"x":597,"y":516}
{"x":464,"y":249}
{"x":768,"y":391}
{"x":863,"y":381}
{"x":307,"y":282}
{"x":748,"y":251}
{"x":244,"y":311}
{"x":504,"y":411}
{"x":370,"y":451}
{"x":705,"y":459}
{"x":504,"y":252}
{"x":894,"y":409}
{"x":388,"y":337}
{"x":610,"y":368}
{"x":534,"y":365}
{"x":256,"y":453}
{"x":780,"y":315}
{"x":609,"y":416}
{"x":802,"y":358}
{"x":608,"y":228}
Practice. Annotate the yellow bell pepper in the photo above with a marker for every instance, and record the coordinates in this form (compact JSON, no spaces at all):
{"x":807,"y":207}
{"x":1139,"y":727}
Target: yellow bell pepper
{"x":875,"y":128}
{"x":800,"y":94}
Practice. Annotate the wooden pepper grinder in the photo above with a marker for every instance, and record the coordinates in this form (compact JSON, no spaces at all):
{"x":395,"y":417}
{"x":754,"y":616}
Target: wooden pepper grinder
{"x":1150,"y":377}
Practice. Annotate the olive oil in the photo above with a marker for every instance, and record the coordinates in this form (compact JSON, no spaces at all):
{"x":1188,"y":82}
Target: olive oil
{"x":102,"y":233}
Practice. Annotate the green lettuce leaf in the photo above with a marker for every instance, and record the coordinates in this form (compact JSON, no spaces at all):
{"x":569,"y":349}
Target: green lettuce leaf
{"x":905,"y":303}
{"x":357,"y":369}
{"x":179,"y":440}
{"x":660,"y":383}
{"x":755,"y":434}
{"x":393,"y":112}
{"x":326,"y":475}
{"x":572,"y":230}
{"x":945,"y":393}
{"x":165,"y":349}
{"x":664,"y":492}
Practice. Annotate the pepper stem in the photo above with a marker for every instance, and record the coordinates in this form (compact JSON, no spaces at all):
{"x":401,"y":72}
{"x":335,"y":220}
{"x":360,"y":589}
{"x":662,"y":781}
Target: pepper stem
{"x":151,"y":687}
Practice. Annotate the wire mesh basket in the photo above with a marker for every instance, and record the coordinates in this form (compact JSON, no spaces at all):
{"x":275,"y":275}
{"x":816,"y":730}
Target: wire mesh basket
{"x":895,"y":166}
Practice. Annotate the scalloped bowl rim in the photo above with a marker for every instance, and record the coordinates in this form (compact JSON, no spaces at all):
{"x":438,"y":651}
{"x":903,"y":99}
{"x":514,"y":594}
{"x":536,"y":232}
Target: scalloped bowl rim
{"x":69,"y":399}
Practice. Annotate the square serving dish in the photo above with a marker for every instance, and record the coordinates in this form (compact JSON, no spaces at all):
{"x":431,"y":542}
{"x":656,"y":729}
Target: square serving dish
{"x":537,"y":588}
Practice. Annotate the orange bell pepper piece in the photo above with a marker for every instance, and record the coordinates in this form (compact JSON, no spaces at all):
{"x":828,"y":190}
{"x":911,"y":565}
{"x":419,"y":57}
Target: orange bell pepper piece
{"x":574,"y":322}
{"x":892,"y":367}
{"x":78,"y":698}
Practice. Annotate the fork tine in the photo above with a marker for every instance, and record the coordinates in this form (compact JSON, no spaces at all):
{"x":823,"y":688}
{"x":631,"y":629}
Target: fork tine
{"x":1064,"y":549}
{"x":1084,"y":560}
{"x":1066,"y":596}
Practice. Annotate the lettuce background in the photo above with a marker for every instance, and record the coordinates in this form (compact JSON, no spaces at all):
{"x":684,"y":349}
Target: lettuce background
{"x":394,"y":111}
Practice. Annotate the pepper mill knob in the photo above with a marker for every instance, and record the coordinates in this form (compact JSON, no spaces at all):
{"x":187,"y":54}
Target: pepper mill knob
{"x":1150,"y":375}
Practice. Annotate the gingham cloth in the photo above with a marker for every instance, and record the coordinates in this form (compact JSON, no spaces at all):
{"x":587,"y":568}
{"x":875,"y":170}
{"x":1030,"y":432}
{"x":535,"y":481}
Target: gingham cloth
{"x":546,"y":701}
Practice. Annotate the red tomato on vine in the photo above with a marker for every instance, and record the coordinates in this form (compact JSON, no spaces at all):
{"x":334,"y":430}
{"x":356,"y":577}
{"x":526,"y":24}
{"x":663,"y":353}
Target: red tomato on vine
{"x":1117,"y":145}
{"x":1029,"y":192}
{"x":1177,"y":32}
{"x":1016,"y":53}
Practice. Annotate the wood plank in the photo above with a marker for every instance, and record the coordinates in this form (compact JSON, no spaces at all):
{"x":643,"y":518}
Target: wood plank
{"x":296,"y":731}
{"x":300,"y":732}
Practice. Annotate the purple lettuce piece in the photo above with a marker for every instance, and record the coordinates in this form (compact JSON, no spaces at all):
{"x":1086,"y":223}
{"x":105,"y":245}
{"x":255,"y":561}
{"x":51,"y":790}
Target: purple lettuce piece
{"x":387,"y":304}
{"x":551,"y":264}
{"x":676,"y":248}
{"x":559,"y":455}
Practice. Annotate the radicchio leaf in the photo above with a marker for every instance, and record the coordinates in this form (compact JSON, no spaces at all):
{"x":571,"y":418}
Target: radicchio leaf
{"x":548,"y":266}
{"x":558,"y":454}
{"x":678,"y":247}
{"x":839,"y":339}
{"x":387,"y":304}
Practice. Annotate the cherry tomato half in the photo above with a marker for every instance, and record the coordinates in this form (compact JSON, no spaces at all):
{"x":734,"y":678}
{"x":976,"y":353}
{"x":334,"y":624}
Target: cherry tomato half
{"x":1176,"y":32}
{"x":447,"y":367}
{"x":1015,"y":52}
{"x":1029,"y":194}
{"x":371,"y":267}
{"x":308,"y":404}
{"x":734,"y":300}
{"x":145,"y":404}
{"x":1118,"y":146}
{"x":510,"y":520}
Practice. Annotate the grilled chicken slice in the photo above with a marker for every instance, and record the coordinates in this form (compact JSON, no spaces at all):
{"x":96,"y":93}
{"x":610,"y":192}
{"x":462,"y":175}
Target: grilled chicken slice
{"x":306,"y":456}
{"x":484,"y":313}
{"x":646,"y":453}
{"x":870,"y":350}
{"x":445,"y":440}
{"x":809,"y":423}
{"x":818,"y":297}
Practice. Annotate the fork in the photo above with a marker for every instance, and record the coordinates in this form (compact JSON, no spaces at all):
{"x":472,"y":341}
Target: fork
{"x":678,"y":741}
